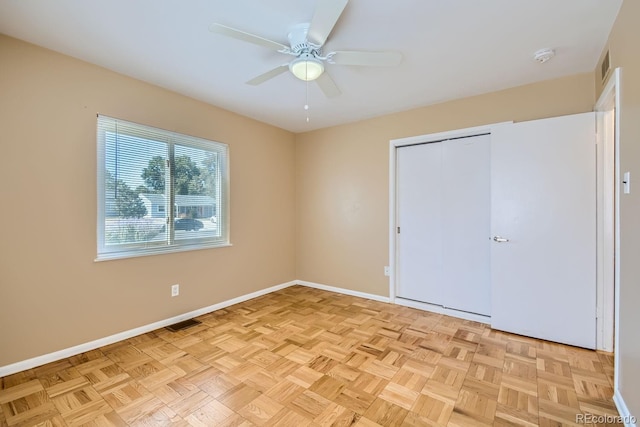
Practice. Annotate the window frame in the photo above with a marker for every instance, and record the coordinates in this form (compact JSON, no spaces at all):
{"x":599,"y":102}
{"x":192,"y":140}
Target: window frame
{"x":170,"y":244}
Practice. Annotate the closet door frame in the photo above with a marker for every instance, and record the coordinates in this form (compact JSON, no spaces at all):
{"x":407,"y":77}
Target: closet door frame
{"x":393,"y":253}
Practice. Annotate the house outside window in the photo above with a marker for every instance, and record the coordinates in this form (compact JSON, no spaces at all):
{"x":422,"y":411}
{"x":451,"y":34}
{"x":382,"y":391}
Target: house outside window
{"x":159,"y":191}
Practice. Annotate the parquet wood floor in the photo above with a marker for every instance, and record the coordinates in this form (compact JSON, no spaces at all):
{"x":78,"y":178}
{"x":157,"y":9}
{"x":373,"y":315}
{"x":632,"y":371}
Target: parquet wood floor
{"x":305,"y":357}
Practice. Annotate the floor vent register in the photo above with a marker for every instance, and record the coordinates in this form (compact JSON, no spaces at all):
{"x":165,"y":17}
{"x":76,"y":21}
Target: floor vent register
{"x":183,"y":325}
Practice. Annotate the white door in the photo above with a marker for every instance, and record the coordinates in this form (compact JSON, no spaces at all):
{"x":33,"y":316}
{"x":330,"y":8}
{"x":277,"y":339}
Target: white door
{"x":419,"y":216}
{"x":466,"y":224}
{"x":443,"y":202}
{"x":543,"y":193}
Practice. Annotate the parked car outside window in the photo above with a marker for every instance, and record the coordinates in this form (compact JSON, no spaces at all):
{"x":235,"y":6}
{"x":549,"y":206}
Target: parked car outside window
{"x":188,"y":224}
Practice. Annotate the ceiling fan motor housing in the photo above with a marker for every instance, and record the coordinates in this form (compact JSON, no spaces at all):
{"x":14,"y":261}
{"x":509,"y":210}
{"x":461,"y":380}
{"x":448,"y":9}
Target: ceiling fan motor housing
{"x":299,"y":43}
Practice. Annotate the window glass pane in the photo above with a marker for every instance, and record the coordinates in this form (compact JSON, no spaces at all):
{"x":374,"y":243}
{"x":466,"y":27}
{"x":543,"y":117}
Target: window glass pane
{"x":134,"y":182}
{"x":196,"y":188}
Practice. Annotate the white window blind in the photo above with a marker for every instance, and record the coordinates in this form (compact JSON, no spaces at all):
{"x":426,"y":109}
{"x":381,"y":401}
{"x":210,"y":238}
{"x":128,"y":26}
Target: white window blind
{"x":159,"y":191}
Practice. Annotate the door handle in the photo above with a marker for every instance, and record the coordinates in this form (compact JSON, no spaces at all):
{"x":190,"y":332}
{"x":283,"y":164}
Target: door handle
{"x":500,"y":239}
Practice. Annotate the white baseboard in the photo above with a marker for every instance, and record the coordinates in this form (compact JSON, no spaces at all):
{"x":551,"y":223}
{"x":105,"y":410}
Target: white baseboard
{"x":92,"y":345}
{"x":623,"y":410}
{"x":442,"y":310}
{"x":343,"y":291}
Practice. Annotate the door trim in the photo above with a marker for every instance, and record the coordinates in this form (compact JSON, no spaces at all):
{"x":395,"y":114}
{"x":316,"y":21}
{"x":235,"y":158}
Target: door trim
{"x":394,"y":144}
{"x":605,"y":107}
{"x":608,"y":309}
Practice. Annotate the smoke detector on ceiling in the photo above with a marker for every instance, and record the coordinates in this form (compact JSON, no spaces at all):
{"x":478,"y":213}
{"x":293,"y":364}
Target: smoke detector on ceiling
{"x":543,"y":55}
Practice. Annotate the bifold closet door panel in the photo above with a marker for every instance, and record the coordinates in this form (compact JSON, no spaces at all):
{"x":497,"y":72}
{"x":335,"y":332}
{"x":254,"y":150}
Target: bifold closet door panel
{"x":466,"y":224}
{"x":419,"y":243}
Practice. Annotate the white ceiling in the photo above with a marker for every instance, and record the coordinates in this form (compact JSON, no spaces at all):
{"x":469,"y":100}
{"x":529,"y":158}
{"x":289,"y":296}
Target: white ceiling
{"x":452,"y":49}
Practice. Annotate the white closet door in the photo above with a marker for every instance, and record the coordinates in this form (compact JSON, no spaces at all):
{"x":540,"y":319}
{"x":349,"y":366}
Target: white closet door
{"x":443,"y":202}
{"x":466,"y":219}
{"x":544,"y":202}
{"x":419,"y":249}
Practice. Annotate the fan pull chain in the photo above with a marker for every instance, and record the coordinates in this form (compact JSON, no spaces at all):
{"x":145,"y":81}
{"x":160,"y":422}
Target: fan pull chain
{"x":306,"y":105}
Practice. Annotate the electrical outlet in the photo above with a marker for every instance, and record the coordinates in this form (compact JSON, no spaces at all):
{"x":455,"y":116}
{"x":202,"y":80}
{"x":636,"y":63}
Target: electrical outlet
{"x":175,"y":290}
{"x":387,"y":270}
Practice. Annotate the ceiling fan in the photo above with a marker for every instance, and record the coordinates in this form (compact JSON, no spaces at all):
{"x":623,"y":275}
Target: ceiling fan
{"x":305,"y":44}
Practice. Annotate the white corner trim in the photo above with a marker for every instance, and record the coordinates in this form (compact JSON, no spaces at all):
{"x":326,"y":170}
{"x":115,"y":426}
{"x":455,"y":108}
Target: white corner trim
{"x":101,"y":342}
{"x":628,"y":419}
{"x":343,"y":291}
{"x":438,"y":309}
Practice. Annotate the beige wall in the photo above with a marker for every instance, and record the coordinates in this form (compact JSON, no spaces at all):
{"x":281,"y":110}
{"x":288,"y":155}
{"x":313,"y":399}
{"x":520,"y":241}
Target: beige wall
{"x":623,"y":45}
{"x":52,"y":293}
{"x":342,"y":174}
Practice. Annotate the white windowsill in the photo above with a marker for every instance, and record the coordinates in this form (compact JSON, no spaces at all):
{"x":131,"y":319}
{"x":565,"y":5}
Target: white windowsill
{"x":164,"y":250}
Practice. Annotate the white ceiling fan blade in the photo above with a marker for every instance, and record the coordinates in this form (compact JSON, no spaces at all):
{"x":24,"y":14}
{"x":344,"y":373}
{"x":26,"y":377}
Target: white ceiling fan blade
{"x":370,"y":59}
{"x":244,"y":36}
{"x":327,"y":85}
{"x":324,"y":19}
{"x":268,"y":75}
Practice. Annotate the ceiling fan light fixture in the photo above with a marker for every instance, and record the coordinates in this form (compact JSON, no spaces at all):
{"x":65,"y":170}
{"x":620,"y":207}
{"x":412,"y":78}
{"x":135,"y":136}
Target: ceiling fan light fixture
{"x":306,"y":68}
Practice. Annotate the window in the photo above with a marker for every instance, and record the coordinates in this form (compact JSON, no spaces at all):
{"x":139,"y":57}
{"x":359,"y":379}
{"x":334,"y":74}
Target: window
{"x":159,"y":191}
